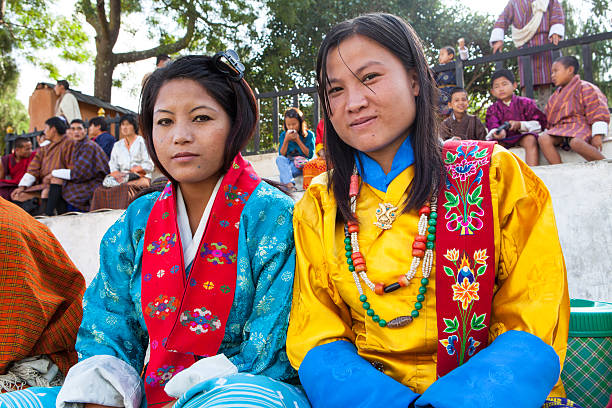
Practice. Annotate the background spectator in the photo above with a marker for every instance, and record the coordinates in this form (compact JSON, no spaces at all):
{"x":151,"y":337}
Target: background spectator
{"x":98,"y":132}
{"x":534,"y":22}
{"x":14,"y":165}
{"x":524,"y":118}
{"x":38,"y":181}
{"x":130,"y":169}
{"x":297,"y":145}
{"x":66,"y":105}
{"x":446,"y":80}
{"x":90,"y":165}
{"x":577,"y":113}
{"x":460,"y":125}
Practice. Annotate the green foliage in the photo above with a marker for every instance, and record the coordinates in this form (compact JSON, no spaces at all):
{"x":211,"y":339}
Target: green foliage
{"x":31,"y":26}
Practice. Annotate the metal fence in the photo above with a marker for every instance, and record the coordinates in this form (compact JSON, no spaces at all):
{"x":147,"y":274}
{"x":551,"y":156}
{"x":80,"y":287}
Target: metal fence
{"x":523,"y":54}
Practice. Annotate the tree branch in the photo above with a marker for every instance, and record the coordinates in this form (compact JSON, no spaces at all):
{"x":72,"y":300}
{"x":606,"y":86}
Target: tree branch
{"x":102,"y":19}
{"x":90,"y":15}
{"x":133,"y":56}
{"x":115,"y":20}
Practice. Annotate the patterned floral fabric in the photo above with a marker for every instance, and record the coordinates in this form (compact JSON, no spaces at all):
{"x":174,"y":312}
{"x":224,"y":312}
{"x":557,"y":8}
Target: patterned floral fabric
{"x":113,"y":322}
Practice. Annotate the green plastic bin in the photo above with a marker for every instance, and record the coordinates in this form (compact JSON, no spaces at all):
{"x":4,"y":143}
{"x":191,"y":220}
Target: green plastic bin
{"x":587,"y":373}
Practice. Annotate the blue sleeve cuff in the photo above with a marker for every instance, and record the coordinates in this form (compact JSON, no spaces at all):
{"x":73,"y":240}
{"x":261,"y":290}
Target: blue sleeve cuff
{"x":335,"y":376}
{"x":516,"y":370}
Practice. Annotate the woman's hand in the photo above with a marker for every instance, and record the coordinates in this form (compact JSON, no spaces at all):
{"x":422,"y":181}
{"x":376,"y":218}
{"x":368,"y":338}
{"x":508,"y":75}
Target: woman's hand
{"x":138,"y":170}
{"x":117,"y":175}
{"x":515,"y":125}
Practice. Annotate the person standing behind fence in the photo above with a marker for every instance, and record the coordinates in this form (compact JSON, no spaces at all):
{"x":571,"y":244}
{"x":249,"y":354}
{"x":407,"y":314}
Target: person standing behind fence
{"x":14,"y":165}
{"x":577,"y":113}
{"x":98,"y":132}
{"x":534,"y":23}
{"x":66,"y":105}
{"x":90,"y":165}
{"x":297,"y":145}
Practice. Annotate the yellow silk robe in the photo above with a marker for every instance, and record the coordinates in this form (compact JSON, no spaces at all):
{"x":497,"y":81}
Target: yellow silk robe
{"x":530,"y":292}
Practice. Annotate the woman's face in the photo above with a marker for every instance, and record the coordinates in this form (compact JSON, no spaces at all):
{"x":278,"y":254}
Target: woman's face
{"x":371,"y":97}
{"x":190,"y":129}
{"x":292,"y":124}
{"x":126,"y":128}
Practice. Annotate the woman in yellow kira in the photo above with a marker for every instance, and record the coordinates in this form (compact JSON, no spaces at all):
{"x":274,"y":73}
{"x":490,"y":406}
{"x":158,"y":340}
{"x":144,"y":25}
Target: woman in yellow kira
{"x":426,"y":275}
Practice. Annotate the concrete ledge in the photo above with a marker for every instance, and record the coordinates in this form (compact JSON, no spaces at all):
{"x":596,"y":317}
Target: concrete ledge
{"x":568,"y":157}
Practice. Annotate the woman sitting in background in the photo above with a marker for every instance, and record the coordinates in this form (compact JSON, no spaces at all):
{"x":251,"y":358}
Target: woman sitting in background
{"x":130,"y":169}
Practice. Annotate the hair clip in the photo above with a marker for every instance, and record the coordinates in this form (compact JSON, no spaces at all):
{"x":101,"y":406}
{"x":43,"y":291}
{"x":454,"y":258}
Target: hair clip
{"x":229,"y":65}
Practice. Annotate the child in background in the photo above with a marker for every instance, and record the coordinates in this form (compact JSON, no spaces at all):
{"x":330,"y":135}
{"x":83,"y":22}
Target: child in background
{"x":297,"y":145}
{"x":577,"y":114}
{"x":460,"y":125}
{"x":522,"y":114}
{"x":446,"y":80}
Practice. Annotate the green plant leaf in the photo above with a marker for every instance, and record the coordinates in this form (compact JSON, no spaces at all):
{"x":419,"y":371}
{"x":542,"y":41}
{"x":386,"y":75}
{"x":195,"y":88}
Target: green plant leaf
{"x":449,"y":271}
{"x":477,"y":322}
{"x":481,"y":153}
{"x":481,"y":270}
{"x":450,"y":158}
{"x":451,"y":325}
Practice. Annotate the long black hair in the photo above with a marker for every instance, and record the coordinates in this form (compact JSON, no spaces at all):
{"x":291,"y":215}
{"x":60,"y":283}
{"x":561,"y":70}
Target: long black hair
{"x":235,"y":97}
{"x":401,"y":40}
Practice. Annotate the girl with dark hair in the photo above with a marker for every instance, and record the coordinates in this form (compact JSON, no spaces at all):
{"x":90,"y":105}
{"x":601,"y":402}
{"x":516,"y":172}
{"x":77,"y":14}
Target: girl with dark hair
{"x":297,"y":145}
{"x":426,"y":276}
{"x":202,"y":272}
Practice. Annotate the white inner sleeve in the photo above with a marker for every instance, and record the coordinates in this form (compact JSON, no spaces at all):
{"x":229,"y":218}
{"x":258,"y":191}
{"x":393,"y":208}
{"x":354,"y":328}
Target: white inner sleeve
{"x":203,"y":370}
{"x":464,"y":54}
{"x":27,"y":180}
{"x":496,"y":35}
{"x":532,"y":126}
{"x":104,"y":380}
{"x":189,"y":242}
{"x":598,"y":128}
{"x":558,"y":29}
{"x":61,"y":173}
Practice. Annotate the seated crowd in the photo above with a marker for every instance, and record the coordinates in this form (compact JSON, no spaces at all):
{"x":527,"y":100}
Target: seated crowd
{"x":76,"y":167}
{"x":576,"y":116}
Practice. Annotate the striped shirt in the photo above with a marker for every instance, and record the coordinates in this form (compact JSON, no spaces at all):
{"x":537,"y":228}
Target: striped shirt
{"x":89,"y":168}
{"x":574,"y":108}
{"x":518,"y":13}
{"x":53,"y":156}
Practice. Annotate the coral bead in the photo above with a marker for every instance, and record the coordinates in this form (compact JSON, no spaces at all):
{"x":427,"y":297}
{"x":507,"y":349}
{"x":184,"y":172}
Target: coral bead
{"x":353,"y":228}
{"x":403,"y":281}
{"x":424,"y":210}
{"x":357,"y":262}
{"x":419,"y":245}
{"x":356,"y":255}
{"x":379,"y":289}
{"x":360,"y":268}
{"x":420,"y":238}
{"x":419,"y":253}
{"x":354,"y":186}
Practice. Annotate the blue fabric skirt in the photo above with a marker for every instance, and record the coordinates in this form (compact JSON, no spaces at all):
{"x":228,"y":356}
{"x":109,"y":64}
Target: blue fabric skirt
{"x":239,"y":391}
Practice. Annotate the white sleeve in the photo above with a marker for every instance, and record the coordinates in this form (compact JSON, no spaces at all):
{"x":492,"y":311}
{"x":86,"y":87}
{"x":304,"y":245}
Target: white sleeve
{"x":104,"y":380}
{"x":530,"y":126}
{"x":113,"y":163}
{"x":203,"y":370}
{"x":27,"y":180}
{"x":598,"y":128}
{"x":464,"y":54}
{"x":496,"y":35}
{"x":64,"y":174}
{"x":558,"y":29}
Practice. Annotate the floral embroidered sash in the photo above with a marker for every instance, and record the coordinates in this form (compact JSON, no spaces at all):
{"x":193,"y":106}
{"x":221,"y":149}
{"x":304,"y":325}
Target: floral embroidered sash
{"x":186,"y":314}
{"x":465,"y":254}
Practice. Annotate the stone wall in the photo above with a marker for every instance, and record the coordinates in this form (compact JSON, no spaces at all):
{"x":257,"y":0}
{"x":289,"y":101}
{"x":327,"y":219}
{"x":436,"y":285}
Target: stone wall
{"x":582,"y":199}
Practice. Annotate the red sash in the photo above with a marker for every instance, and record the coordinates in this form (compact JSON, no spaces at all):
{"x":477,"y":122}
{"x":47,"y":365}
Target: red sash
{"x":465,"y":254}
{"x":186,"y":314}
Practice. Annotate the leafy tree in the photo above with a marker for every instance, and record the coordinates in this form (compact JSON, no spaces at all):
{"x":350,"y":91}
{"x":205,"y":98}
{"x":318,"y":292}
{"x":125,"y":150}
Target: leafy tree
{"x":205,"y":25}
{"x":30,"y":26}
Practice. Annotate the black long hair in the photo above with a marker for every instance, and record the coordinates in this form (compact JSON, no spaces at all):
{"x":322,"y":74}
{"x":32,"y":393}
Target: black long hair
{"x":235,"y":97}
{"x":401,"y":40}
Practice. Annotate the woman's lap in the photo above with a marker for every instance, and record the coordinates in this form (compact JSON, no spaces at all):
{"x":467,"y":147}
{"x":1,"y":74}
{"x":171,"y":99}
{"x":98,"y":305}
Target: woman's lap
{"x":34,"y":397}
{"x":244,"y":391}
